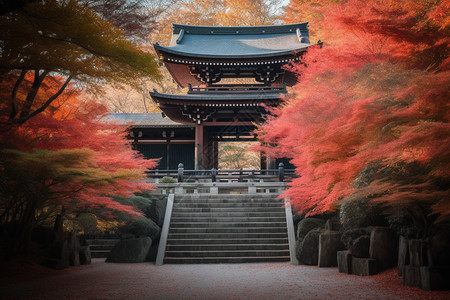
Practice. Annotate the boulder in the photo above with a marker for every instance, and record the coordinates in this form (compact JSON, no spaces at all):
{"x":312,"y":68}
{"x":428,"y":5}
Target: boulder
{"x":308,"y":249}
{"x":383,"y":247}
{"x":333,"y":225}
{"x":74,"y":242}
{"x":306,"y":225}
{"x":152,"y":252}
{"x":141,"y":227}
{"x":344,"y":260}
{"x":85,"y":255}
{"x":364,"y":266}
{"x":130,"y":250}
{"x":74,"y":258}
{"x":403,"y":254}
{"x":329,"y":244}
{"x":360,"y":247}
{"x":157,"y":210}
{"x":74,"y":248}
{"x":350,"y":235}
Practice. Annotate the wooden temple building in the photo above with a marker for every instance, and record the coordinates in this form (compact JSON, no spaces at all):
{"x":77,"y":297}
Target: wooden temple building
{"x":201,"y":58}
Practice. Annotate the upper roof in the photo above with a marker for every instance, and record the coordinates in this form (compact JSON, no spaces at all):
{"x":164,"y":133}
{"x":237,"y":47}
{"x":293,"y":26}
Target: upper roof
{"x":143,"y":120}
{"x":236,"y":41}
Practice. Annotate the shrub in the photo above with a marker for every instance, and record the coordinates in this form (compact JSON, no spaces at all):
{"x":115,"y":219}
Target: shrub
{"x":167,"y":179}
{"x":359,"y":212}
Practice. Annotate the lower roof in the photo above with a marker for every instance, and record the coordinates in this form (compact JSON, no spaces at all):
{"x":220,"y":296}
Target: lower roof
{"x":145,"y":120}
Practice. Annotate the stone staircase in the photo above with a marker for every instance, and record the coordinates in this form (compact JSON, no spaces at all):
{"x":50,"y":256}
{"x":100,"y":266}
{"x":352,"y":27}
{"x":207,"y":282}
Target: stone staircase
{"x":227,"y":228}
{"x":100,"y":247}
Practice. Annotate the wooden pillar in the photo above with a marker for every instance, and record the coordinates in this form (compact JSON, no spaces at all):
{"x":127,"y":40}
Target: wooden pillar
{"x":199,"y":145}
{"x":206,"y":150}
{"x":168,"y":155}
{"x":215,"y":155}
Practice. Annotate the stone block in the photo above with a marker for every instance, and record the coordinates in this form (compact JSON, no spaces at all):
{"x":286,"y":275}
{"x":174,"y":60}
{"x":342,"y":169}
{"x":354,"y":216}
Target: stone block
{"x":352,"y":234}
{"x":411,"y":276}
{"x":364,"y":266}
{"x":360,"y":247}
{"x":306,"y":225}
{"x":383,"y":247}
{"x":130,"y":250}
{"x":74,"y":258}
{"x":403,"y":254}
{"x":435,"y":278}
{"x":329,"y":244}
{"x":418,"y":253}
{"x":344,"y":260}
{"x":307,"y":251}
{"x":85,"y":255}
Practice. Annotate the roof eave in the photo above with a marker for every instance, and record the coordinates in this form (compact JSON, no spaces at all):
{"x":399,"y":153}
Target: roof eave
{"x":161,"y":50}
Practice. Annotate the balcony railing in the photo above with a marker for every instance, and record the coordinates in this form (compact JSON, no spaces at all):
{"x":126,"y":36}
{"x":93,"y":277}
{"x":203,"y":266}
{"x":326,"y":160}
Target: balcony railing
{"x":222,"y":176}
{"x":244,"y":88}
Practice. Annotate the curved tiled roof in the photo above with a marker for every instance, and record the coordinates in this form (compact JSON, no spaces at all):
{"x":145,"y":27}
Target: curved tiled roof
{"x":237,"y":42}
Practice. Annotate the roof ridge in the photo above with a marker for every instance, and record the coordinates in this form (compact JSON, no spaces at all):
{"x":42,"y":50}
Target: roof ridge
{"x":260,"y":29}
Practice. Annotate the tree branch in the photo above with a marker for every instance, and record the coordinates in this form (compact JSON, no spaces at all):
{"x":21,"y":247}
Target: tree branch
{"x":47,"y":103}
{"x":38,"y":78}
{"x":14,"y":108}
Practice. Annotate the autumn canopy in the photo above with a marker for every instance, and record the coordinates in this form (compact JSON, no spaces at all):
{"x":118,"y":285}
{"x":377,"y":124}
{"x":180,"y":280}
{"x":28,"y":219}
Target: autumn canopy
{"x":369,"y":115}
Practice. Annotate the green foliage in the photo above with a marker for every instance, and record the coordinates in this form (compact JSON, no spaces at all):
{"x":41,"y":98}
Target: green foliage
{"x":69,"y":40}
{"x":140,"y":227}
{"x":166,"y":179}
{"x":140,"y":202}
{"x":360,"y":213}
{"x":87,"y":223}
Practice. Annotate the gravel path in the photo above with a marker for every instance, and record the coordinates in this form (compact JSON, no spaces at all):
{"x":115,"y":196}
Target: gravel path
{"x":102,"y":280}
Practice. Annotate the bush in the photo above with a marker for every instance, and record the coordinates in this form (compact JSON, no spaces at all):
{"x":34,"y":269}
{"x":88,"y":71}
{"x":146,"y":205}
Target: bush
{"x":166,"y":179}
{"x":141,"y":227}
{"x":359,"y":212}
{"x":87,"y":223}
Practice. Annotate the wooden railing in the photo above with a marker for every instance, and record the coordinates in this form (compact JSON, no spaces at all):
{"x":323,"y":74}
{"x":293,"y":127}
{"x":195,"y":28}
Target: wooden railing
{"x":226,"y":88}
{"x":191,"y":176}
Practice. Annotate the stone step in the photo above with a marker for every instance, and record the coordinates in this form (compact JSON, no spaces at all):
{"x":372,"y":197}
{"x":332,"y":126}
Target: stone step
{"x":226,"y":210}
{"x":201,"y":196}
{"x":228,"y":230}
{"x":227,"y":247}
{"x":220,"y":219}
{"x":226,"y":224}
{"x":226,"y":205}
{"x":229,"y":200}
{"x":227,"y":253}
{"x":235,"y":235}
{"x":221,"y":214}
{"x":224,"y":260}
{"x":226,"y":241}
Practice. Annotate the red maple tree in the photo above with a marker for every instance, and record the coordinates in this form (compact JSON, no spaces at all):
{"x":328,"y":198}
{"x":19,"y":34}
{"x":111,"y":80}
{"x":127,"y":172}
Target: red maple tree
{"x":373,"y":100}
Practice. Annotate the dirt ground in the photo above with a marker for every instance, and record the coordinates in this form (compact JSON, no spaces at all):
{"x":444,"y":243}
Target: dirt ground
{"x":102,"y":280}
